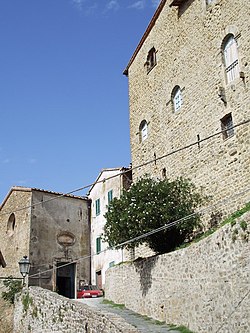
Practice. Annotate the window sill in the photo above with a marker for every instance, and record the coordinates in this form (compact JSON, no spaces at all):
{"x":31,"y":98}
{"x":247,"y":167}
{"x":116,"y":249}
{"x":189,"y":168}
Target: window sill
{"x":150,"y":69}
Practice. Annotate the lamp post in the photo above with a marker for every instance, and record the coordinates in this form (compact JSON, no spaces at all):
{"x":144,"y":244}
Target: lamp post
{"x":24,"y":267}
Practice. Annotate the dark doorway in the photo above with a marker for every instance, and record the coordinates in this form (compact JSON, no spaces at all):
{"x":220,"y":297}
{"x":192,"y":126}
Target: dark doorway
{"x":99,"y":279}
{"x":65,"y":279}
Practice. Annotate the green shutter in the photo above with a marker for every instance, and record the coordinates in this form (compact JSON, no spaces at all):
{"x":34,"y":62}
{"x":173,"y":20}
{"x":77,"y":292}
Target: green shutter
{"x":98,"y":245}
{"x":110,"y":196}
{"x":97,"y":207}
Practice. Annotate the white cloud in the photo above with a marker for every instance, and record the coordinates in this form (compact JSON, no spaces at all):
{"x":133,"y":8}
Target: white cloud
{"x":6,"y":161}
{"x":78,"y":4}
{"x":112,"y":5}
{"x":138,"y":5}
{"x":85,"y":6}
{"x":91,"y":8}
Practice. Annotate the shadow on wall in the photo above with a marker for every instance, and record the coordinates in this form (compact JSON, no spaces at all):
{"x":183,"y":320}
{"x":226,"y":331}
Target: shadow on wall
{"x":144,"y":267}
{"x":183,"y":6}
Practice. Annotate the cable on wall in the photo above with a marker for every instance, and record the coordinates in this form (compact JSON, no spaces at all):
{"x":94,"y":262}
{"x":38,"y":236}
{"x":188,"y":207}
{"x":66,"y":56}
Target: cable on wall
{"x":130,"y":169}
{"x":166,"y":226}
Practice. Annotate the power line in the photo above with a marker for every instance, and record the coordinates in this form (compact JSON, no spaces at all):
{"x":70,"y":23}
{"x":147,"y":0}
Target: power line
{"x":233,"y":311}
{"x":164,"y":227}
{"x":128,"y":170}
{"x":124,"y":172}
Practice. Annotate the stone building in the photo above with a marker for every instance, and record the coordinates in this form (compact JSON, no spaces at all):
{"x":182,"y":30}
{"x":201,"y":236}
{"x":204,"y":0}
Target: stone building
{"x":189,"y":96}
{"x":109,"y":184}
{"x":52,"y":229}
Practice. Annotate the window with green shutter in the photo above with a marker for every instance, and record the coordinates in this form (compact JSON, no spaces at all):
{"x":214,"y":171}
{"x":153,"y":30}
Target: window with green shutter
{"x":111,"y":264}
{"x":98,"y":245}
{"x":97,"y":207}
{"x":110,"y":196}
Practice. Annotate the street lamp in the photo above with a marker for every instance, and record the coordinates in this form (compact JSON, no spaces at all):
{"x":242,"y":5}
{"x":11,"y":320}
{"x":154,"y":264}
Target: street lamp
{"x":24,"y":267}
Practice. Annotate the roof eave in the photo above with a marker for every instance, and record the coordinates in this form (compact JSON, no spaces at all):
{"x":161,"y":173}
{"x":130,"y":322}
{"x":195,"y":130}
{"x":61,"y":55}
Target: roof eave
{"x":145,"y":35}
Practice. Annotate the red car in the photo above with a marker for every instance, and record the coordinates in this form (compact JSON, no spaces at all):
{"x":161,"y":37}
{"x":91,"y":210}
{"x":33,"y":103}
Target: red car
{"x":89,"y":291}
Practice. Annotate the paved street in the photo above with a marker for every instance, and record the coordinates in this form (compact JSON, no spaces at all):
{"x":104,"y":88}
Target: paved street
{"x":142,"y":324}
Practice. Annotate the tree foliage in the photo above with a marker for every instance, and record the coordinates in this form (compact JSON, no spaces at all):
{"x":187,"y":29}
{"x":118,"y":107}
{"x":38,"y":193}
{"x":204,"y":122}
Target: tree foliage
{"x":13,"y":287}
{"x":151,"y":204}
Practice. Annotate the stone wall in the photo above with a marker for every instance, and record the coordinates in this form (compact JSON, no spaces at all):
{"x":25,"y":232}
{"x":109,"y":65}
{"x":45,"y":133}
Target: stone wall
{"x":205,"y":286}
{"x":15,"y":230}
{"x":188,"y":43}
{"x":41,"y":311}
{"x":6,"y":315}
{"x":52,"y":230}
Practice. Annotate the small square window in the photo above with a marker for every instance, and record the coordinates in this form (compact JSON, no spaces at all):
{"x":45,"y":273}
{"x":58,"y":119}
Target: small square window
{"x":227,"y":126}
{"x":97,"y":207}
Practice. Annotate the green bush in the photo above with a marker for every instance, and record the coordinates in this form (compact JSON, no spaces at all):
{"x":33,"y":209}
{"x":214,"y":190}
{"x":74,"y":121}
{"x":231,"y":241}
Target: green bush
{"x":13,"y":287}
{"x":149,"y":205}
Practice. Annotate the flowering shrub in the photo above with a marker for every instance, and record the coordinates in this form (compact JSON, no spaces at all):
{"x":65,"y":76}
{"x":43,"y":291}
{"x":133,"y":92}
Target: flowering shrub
{"x":149,"y":205}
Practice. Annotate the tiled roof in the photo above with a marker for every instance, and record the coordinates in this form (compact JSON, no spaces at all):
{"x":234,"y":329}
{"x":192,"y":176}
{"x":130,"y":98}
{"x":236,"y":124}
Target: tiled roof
{"x":30,"y":189}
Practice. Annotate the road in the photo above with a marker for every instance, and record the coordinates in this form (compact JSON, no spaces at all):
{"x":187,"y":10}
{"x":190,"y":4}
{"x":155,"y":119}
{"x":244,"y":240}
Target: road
{"x":144,"y":325}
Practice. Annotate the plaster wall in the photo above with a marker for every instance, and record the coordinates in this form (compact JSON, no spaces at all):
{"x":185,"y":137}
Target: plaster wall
{"x":59,"y":234}
{"x":108,"y":180}
{"x":49,"y":228}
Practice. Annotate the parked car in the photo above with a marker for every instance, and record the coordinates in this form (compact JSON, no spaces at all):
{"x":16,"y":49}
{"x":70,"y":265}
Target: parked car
{"x":89,"y":291}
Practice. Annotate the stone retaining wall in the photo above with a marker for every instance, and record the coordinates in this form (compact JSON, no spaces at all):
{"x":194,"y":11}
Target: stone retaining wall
{"x":6,"y":315}
{"x":205,"y":287}
{"x":39,"y":310}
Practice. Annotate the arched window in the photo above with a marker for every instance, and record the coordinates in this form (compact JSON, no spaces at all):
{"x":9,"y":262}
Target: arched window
{"x":176,"y":98}
{"x":151,"y":59}
{"x":143,"y":130}
{"x":231,"y":60}
{"x":11,"y":224}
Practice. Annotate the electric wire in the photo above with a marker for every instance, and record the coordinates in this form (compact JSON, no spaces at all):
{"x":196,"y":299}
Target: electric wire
{"x":128,"y":170}
{"x":115,"y":175}
{"x":164,"y":227}
{"x":233,"y":311}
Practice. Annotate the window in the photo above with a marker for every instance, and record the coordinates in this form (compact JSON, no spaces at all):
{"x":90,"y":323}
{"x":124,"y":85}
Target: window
{"x":132,"y":253}
{"x":11,"y":224}
{"x":176,"y":98}
{"x":231,"y":61}
{"x":143,"y":130}
{"x":97,"y":207}
{"x":98,"y":245}
{"x":111,"y":264}
{"x":164,"y":173}
{"x":226,"y":125}
{"x":110,"y":196}
{"x":151,"y":59}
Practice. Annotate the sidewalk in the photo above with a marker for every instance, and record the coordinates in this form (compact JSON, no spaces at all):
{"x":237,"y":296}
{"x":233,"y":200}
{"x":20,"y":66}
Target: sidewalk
{"x":144,"y":325}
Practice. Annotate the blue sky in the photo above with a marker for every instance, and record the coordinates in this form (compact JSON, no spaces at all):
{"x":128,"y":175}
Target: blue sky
{"x":63,"y":98}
